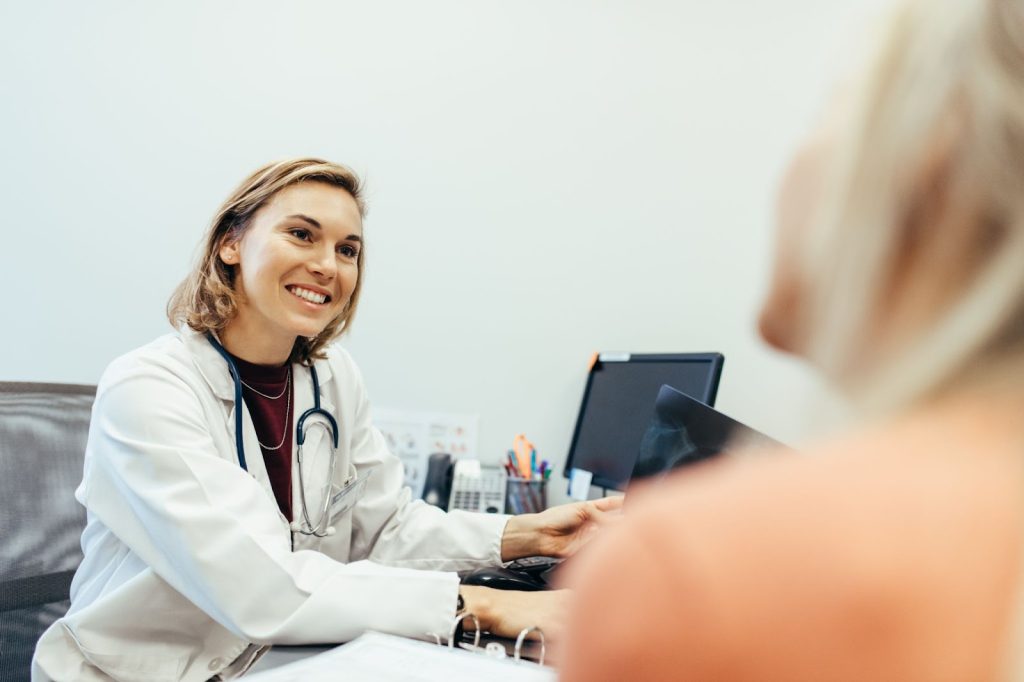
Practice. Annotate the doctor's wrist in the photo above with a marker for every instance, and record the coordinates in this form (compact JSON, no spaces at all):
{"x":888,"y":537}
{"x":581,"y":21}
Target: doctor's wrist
{"x":521,"y":537}
{"x":475,"y":599}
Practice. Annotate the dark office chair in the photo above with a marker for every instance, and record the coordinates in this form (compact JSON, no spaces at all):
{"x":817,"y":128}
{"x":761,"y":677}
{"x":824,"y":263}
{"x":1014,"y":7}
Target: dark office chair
{"x":43,"y":428}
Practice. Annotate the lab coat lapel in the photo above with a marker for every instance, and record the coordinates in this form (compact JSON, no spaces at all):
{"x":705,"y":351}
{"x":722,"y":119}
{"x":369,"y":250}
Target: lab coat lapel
{"x":215,"y":371}
{"x":253,"y":451}
{"x":211,"y":365}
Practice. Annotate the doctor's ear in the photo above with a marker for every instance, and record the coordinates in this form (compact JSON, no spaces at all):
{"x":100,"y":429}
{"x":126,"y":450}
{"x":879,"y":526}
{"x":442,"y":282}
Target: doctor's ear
{"x":228,"y":251}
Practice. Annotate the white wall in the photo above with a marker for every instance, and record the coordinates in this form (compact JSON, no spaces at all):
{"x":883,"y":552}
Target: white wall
{"x":546,"y":179}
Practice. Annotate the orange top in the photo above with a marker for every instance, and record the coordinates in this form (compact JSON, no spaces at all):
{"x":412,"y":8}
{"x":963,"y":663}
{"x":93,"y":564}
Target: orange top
{"x":893,"y":554}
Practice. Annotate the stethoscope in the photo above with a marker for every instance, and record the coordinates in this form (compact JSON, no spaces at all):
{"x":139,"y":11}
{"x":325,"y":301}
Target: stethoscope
{"x":306,"y":526}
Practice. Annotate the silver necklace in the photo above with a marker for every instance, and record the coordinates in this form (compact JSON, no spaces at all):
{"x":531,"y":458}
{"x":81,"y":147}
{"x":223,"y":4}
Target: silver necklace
{"x":288,"y":410}
{"x":287,"y":382}
{"x":287,"y":420}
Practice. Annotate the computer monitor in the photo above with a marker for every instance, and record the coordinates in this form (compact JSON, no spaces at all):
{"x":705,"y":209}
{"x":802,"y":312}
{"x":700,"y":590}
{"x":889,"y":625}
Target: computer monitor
{"x":685,"y":431}
{"x":617,"y":403}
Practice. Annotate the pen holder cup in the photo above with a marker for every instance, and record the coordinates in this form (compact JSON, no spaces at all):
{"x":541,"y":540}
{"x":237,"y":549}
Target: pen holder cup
{"x":526,"y":495}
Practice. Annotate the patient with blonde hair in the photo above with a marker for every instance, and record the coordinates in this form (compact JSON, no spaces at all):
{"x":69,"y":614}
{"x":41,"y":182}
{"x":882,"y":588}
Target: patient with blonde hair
{"x":892,"y":550}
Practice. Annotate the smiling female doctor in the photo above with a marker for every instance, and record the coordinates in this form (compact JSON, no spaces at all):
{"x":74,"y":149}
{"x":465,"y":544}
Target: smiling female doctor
{"x":223,"y":517}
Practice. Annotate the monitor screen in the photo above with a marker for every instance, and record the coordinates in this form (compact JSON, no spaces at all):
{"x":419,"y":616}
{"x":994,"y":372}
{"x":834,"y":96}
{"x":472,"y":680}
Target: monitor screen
{"x":617,"y":405}
{"x":685,"y":431}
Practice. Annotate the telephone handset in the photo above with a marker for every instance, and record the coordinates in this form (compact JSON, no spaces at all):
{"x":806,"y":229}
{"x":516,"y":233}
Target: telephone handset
{"x":437,"y":485}
{"x":464,"y":485}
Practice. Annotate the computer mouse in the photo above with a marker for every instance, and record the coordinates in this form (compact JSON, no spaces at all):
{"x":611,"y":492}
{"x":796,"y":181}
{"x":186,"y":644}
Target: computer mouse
{"x":504,"y":579}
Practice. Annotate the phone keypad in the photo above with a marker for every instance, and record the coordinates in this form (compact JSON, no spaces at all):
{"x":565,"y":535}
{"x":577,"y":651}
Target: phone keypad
{"x":483,"y":493}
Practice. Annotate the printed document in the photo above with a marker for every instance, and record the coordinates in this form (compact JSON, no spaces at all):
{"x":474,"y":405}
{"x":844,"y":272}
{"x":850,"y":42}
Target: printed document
{"x":376,"y":657}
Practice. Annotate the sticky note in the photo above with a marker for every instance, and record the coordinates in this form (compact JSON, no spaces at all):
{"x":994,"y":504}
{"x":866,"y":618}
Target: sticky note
{"x":579,"y":484}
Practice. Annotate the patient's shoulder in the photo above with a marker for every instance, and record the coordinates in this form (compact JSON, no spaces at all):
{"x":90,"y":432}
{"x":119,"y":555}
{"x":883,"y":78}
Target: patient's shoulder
{"x":884,"y":508}
{"x":897,"y":547}
{"x":925,"y":470}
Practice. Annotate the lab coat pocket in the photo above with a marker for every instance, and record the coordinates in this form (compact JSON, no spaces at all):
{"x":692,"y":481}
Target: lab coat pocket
{"x":141,"y":666}
{"x":343,"y":499}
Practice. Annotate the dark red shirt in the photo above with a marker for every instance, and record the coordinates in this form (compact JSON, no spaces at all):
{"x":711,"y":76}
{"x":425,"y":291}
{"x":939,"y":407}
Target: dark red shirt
{"x":272,"y":417}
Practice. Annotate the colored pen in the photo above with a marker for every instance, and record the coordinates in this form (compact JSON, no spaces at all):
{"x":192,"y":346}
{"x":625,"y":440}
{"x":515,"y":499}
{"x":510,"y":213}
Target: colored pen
{"x":522,"y":443}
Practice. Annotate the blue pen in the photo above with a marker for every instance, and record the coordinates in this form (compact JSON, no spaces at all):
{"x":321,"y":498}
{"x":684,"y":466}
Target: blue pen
{"x":533,"y":462}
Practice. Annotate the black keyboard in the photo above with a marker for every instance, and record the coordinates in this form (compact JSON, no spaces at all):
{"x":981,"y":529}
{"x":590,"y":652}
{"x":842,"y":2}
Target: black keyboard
{"x":534,"y":564}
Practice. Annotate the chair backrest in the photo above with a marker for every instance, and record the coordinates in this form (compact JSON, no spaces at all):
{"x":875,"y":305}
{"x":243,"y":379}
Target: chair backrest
{"x":43,"y":429}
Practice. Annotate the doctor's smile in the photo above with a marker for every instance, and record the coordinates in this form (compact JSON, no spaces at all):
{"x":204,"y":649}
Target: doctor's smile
{"x":308,"y":294}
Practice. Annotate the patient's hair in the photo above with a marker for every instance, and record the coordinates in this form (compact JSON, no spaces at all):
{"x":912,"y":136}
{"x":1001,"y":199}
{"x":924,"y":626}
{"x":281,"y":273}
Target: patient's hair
{"x":206,"y":299}
{"x":915,"y":264}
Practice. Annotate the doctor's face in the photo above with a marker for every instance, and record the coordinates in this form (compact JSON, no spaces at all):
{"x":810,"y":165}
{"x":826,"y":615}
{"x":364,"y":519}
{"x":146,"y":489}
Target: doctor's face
{"x":296,"y":264}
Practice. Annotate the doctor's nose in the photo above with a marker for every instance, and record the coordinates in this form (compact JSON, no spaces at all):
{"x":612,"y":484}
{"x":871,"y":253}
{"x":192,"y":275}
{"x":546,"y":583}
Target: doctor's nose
{"x":324,"y":265}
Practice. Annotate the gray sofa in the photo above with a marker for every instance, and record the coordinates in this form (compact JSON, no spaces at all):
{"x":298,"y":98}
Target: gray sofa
{"x":43,"y":429}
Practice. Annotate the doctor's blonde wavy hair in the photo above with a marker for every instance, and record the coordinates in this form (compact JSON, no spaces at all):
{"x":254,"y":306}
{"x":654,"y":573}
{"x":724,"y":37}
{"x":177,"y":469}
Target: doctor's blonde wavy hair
{"x":206,"y":300}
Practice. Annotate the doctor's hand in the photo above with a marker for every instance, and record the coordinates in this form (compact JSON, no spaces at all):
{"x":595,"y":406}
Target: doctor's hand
{"x":560,"y":531}
{"x":508,"y":612}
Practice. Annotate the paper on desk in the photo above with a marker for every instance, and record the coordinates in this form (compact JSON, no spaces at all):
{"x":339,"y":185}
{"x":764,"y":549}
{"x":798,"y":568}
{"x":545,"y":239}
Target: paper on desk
{"x":376,"y":657}
{"x":413,"y":435}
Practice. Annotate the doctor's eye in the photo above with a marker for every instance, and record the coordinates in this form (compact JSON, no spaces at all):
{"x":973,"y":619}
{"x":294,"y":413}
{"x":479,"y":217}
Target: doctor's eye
{"x":348,"y":251}
{"x":300,"y":233}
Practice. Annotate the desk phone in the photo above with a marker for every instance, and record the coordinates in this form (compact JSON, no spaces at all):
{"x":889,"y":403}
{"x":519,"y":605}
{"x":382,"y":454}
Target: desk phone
{"x":476,"y":488}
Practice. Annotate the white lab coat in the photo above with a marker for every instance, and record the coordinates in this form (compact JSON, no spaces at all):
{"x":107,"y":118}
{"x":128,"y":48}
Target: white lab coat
{"x":189,"y":564}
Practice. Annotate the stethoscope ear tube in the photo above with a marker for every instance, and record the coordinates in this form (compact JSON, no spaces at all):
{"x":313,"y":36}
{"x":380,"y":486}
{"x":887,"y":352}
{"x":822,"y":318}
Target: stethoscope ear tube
{"x":237,"y":379}
{"x":300,"y":431}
